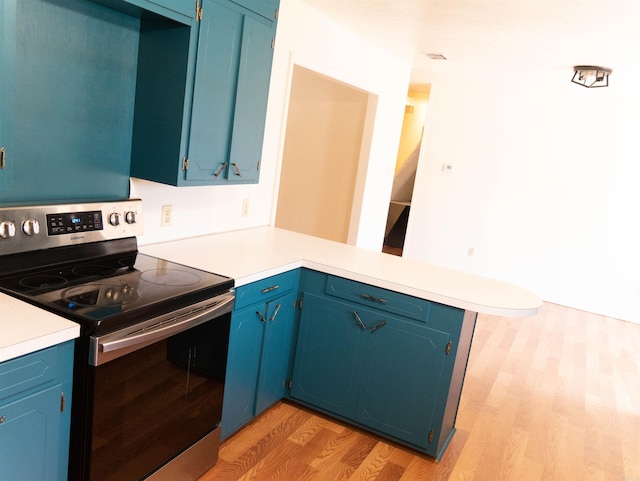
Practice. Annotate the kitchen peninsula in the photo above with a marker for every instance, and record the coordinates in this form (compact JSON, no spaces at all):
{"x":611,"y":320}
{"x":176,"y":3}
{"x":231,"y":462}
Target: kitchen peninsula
{"x":408,"y":323}
{"x":372,"y":339}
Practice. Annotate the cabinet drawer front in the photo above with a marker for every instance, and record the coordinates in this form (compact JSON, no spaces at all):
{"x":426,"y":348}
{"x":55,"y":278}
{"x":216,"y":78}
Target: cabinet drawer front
{"x":266,"y":289}
{"x":371,"y":296}
{"x":27,"y":372}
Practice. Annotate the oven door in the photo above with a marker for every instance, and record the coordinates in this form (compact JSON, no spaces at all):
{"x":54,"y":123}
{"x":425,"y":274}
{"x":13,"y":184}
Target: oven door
{"x":158,"y":393}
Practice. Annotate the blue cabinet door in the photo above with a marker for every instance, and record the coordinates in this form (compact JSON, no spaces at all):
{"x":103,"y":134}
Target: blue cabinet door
{"x":266,"y":8}
{"x":276,"y":352}
{"x":245,"y":341}
{"x":230,"y":95}
{"x":401,"y":378}
{"x":254,"y":75}
{"x":29,"y":436}
{"x":7,"y":77}
{"x":216,"y":79}
{"x":259,"y":350}
{"x":35,"y":410}
{"x":329,"y":356}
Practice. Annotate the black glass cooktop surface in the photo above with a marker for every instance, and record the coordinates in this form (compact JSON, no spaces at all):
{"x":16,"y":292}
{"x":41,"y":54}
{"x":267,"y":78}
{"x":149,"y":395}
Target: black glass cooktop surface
{"x":114,"y":290}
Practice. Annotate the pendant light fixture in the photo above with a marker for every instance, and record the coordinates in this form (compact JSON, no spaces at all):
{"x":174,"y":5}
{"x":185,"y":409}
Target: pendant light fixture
{"x":591,"y":76}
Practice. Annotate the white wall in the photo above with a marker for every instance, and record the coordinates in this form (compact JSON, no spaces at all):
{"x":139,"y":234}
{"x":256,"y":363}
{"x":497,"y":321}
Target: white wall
{"x":545,"y":185}
{"x":313,"y":41}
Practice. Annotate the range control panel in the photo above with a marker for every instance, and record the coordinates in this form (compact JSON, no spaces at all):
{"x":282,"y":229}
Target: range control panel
{"x":66,"y":223}
{"x":33,"y":227}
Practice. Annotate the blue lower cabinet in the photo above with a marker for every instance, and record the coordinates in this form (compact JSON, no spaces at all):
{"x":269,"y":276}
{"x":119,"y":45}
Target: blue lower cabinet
{"x":276,"y":352}
{"x":28,"y":436}
{"x":400,"y":377}
{"x":329,"y":356}
{"x":260,"y":346}
{"x":35,"y":407}
{"x":378,"y":370}
{"x":245,"y":341}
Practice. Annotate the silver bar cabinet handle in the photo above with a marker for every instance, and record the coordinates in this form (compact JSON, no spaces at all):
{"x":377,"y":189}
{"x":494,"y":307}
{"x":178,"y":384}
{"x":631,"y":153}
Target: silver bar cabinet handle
{"x":275,"y":313}
{"x":373,"y":298}
{"x":220,"y":169}
{"x":269,"y":289}
{"x":359,"y":321}
{"x":378,"y":326}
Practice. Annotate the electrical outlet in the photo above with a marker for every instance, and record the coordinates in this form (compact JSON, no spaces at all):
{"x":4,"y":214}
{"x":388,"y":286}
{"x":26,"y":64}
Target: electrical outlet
{"x":471,"y":251}
{"x":245,"y":207}
{"x":165,"y":219}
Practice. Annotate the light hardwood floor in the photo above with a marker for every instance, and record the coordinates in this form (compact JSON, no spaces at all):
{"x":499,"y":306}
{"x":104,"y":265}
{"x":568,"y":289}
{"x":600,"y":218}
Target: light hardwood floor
{"x":550,"y":397}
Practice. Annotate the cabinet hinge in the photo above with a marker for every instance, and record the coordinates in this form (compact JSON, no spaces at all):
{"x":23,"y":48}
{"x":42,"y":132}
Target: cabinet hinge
{"x":185,"y":164}
{"x":3,"y":154}
{"x":277,"y":13}
{"x":273,"y":42}
{"x":62,"y":402}
{"x":431,"y":436}
{"x":198,"y":11}
{"x":447,"y":350}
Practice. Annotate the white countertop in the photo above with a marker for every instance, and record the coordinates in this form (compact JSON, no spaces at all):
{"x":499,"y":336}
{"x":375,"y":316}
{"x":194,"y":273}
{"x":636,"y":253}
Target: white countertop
{"x":253,"y":254}
{"x":25,"y":328}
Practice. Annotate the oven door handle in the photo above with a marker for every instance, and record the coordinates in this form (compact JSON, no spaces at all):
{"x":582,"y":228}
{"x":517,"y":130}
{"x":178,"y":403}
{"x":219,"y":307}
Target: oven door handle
{"x":119,"y":343}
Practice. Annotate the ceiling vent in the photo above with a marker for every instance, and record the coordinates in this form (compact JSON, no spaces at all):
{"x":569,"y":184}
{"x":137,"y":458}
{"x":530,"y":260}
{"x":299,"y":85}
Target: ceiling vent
{"x":436,"y":56}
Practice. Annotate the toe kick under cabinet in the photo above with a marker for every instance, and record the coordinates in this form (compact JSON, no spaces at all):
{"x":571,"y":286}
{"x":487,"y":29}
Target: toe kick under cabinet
{"x":385,"y":361}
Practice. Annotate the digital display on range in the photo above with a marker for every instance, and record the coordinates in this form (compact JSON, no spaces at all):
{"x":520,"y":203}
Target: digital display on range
{"x":70,"y":223}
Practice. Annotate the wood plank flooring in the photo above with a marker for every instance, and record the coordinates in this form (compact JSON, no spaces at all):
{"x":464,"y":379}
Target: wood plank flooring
{"x":550,"y":397}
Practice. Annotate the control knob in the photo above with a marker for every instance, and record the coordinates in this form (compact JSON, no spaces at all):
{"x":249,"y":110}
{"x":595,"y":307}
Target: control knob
{"x":114,"y":219}
{"x":31,"y":227}
{"x":7,"y":229}
{"x":131,"y":217}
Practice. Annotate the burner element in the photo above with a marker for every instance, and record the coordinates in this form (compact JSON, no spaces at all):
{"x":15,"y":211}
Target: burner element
{"x":170,"y":277}
{"x":43,"y":281}
{"x":94,"y":270}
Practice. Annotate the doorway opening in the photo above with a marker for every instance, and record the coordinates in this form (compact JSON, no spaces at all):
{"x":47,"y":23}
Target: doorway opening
{"x":322,"y":153}
{"x":415,"y":115}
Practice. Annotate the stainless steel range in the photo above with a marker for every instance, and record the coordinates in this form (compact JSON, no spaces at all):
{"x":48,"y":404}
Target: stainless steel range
{"x":151,"y":359}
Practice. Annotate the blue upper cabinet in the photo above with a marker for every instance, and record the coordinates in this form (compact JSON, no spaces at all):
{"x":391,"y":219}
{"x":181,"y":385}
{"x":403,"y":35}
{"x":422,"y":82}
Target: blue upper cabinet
{"x":7,"y":76}
{"x":266,"y":8}
{"x":67,"y":73}
{"x":186,"y":8}
{"x":210,"y":132}
{"x":182,"y":11}
{"x":230,"y":95}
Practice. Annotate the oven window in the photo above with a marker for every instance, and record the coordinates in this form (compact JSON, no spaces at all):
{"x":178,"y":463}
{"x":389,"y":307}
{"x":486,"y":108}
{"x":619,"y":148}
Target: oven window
{"x":153,"y":403}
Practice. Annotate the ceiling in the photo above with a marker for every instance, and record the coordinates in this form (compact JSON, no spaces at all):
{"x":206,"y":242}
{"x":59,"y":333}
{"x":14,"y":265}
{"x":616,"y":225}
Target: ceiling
{"x":552,"y":34}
